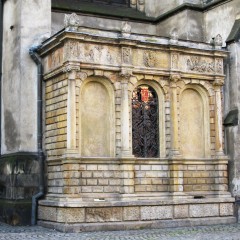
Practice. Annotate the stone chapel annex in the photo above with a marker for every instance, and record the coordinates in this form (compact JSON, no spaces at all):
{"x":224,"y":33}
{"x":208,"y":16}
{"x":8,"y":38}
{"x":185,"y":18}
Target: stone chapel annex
{"x":119,"y":114}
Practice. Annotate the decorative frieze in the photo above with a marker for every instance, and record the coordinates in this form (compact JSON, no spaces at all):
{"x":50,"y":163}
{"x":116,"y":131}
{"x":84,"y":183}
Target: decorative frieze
{"x":219,"y":65}
{"x":199,"y":64}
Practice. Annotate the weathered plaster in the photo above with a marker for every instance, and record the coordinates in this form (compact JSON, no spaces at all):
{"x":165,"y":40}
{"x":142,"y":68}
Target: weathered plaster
{"x":19,"y":108}
{"x":232,"y":101}
{"x":101,"y":23}
{"x":219,"y":20}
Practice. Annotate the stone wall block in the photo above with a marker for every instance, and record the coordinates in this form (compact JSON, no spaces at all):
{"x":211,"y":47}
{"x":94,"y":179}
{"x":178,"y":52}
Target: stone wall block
{"x":226,"y":209}
{"x":156,"y":212}
{"x":113,"y":214}
{"x":131,"y":214}
{"x":71,"y":215}
{"x":181,"y":211}
{"x":47,"y":213}
{"x":204,"y":210}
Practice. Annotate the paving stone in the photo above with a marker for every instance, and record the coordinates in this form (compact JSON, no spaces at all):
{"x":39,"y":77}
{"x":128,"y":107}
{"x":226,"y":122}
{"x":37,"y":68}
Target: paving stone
{"x":216,"y":232}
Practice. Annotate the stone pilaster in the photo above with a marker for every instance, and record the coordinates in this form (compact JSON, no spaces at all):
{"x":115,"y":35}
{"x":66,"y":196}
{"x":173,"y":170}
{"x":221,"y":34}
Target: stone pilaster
{"x":71,"y":109}
{"x":218,"y":83}
{"x":174,"y":116}
{"x":126,"y":151}
{"x":176,"y":172}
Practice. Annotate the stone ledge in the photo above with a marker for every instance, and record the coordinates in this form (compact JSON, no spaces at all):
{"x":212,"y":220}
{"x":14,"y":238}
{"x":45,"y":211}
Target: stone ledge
{"x":155,"y":202}
{"x":85,"y":227}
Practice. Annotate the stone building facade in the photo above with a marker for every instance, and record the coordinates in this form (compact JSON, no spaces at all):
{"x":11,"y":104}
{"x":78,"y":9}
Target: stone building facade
{"x":115,"y":118}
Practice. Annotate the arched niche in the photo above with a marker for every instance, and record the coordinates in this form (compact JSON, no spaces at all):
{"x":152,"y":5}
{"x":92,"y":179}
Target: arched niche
{"x":194,"y":123}
{"x":161,"y":113}
{"x":97,"y":118}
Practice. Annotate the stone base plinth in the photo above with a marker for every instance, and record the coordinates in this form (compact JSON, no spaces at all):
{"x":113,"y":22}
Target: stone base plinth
{"x":122,"y":215}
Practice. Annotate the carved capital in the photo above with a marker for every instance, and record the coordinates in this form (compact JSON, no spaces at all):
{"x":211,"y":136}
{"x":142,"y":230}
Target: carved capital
{"x":71,"y":71}
{"x":218,"y":82}
{"x":126,"y":73}
{"x":82,"y":75}
{"x":71,"y":21}
{"x":174,"y":78}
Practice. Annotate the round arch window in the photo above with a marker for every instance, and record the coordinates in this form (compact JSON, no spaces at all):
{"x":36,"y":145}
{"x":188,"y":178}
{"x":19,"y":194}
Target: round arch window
{"x":145,"y":122}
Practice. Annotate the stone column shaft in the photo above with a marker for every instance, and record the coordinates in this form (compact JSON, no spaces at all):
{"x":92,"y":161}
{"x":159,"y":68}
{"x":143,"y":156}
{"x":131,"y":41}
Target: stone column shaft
{"x":125,"y":126}
{"x":218,"y":121}
{"x":174,"y":116}
{"x":71,"y":112}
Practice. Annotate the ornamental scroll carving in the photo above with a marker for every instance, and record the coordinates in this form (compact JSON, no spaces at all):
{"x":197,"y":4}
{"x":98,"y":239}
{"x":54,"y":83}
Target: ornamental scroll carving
{"x":219,"y":66}
{"x":196,"y":64}
{"x":175,"y":61}
{"x":126,"y":55}
{"x":149,"y":59}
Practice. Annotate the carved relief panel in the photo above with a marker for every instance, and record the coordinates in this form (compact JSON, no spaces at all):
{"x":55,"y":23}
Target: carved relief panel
{"x":91,"y":53}
{"x":150,"y":59}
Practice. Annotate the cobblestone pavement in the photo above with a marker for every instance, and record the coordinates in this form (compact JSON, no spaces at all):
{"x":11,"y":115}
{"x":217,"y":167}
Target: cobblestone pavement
{"x":216,"y":232}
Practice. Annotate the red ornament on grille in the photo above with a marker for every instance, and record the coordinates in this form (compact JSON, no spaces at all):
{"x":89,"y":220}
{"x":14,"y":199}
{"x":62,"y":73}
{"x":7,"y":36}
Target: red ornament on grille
{"x":144,"y":94}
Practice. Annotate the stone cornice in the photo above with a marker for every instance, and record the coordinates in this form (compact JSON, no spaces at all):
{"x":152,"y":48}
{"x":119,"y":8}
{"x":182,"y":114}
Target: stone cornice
{"x":105,"y":50}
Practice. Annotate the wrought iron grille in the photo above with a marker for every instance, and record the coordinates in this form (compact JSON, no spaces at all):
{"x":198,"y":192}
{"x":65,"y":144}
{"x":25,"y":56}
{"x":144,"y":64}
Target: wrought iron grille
{"x":145,"y":130}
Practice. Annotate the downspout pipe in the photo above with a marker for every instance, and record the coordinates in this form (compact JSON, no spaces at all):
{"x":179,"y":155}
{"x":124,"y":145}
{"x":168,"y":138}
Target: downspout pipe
{"x":1,"y":50}
{"x":36,"y":58}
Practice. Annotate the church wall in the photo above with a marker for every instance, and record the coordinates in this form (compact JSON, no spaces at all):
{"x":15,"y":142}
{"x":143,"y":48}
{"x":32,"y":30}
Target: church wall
{"x":220,"y":20}
{"x":102,"y":23}
{"x":231,"y":103}
{"x":19,"y":73}
{"x":154,"y":8}
{"x":24,"y":25}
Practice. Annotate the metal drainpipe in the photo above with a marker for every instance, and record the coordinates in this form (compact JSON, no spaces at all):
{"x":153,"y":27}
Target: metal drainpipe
{"x":36,"y":58}
{"x":1,"y":49}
